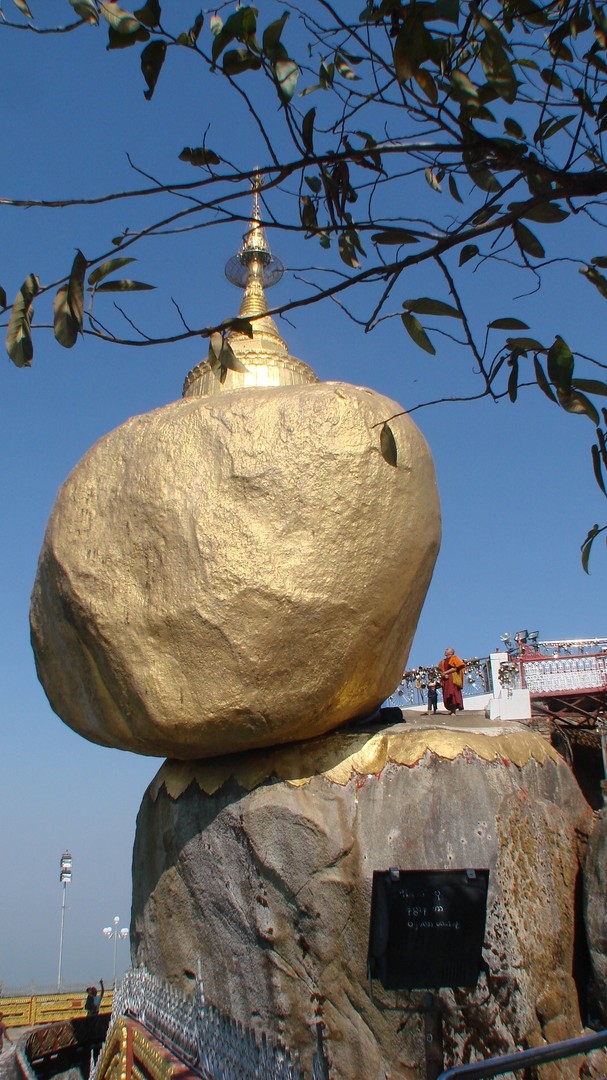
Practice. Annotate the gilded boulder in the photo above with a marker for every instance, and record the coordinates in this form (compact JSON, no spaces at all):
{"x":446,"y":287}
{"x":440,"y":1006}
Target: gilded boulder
{"x":235,"y":572}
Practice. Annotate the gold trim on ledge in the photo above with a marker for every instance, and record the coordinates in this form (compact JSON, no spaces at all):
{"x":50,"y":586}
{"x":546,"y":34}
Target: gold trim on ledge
{"x":342,"y":755}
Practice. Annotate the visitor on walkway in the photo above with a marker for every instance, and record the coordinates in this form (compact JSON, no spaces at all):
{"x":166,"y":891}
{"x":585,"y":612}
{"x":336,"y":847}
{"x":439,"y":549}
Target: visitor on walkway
{"x":452,"y":680}
{"x":3,"y":1033}
{"x":432,"y":695}
{"x":93,"y":999}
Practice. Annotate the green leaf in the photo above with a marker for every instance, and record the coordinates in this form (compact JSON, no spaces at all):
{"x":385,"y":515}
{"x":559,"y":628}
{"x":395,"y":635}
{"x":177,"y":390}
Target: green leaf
{"x":595,"y":278}
{"x":431,"y":180}
{"x":307,"y":212}
{"x":387,"y":445}
{"x":223,"y":358}
{"x":453,"y":189}
{"x":486,"y":213}
{"x":446,"y":10}
{"x":347,"y":248}
{"x":235,"y":61}
{"x":542,"y":381}
{"x":591,"y":386}
{"x":597,"y":466}
{"x":416,"y":331}
{"x":524,"y":344}
{"x":149,"y":14}
{"x":241,"y":25}
{"x":123,"y":22}
{"x":307,"y":134}
{"x":108,"y":268}
{"x":199,"y":155}
{"x":560,"y":365}
{"x":588,"y":542}
{"x":551,"y":79}
{"x":343,"y":68}
{"x":468,"y":252}
{"x":18,"y":335}
{"x":75,"y":289}
{"x":513,"y":380}
{"x":194,"y":32}
{"x":599,"y":260}
{"x":576,"y":402}
{"x":287,"y":74}
{"x":371,"y":149}
{"x":463,"y":89}
{"x":498,"y":69}
{"x":412,"y":46}
{"x":551,"y":126}
{"x":2,"y":297}
{"x":272,"y":33}
{"x":123,"y":285}
{"x":527,"y":242}
{"x":152,"y":59}
{"x":507,"y":324}
{"x":394,"y":236}
{"x":546,"y":213}
{"x":86,"y":10}
{"x":240,"y":326}
{"x":426,"y":84}
{"x":314,"y":183}
{"x":65,"y":326}
{"x":514,"y":129}
{"x":425,"y":306}
{"x":119,"y":40}
{"x":23,"y":8}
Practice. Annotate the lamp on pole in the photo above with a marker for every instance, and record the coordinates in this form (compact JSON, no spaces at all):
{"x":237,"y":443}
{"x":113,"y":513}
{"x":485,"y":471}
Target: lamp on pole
{"x":65,"y":876}
{"x":116,"y":932}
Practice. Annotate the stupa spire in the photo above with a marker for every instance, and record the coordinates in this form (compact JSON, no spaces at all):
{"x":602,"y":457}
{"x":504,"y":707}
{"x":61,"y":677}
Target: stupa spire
{"x":254,"y":268}
{"x":265,"y":356}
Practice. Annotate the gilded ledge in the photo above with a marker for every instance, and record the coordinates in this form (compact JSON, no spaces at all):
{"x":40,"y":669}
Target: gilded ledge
{"x":341,"y":756}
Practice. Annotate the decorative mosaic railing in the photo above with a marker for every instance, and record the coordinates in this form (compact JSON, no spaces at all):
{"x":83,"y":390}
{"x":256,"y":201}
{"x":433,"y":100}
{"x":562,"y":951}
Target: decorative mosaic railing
{"x":564,"y":674}
{"x":202,"y":1037}
{"x":413,"y":686}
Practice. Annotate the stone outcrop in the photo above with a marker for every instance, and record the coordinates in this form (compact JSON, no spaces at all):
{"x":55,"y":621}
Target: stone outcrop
{"x":595,"y":909}
{"x":235,"y":572}
{"x":260,"y":865}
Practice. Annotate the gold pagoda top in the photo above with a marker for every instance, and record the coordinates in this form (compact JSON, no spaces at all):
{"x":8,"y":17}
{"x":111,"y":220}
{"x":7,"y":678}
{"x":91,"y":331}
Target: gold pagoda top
{"x":265,"y":355}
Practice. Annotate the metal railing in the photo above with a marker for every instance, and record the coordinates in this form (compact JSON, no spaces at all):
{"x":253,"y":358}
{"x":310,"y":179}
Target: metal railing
{"x":200,"y":1035}
{"x":522,"y":1059}
{"x":413,"y":686}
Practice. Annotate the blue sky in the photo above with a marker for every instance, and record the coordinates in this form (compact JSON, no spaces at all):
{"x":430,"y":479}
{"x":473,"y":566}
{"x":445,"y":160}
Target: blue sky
{"x":515,"y":481}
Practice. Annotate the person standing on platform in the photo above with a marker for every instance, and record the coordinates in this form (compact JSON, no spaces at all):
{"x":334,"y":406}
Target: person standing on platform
{"x":432,"y":695}
{"x":93,"y":999}
{"x":452,"y":680}
{"x":4,"y":1033}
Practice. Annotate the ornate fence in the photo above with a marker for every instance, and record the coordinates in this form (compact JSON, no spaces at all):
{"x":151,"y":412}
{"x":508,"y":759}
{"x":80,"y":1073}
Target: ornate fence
{"x":412,"y":689}
{"x":202,"y":1037}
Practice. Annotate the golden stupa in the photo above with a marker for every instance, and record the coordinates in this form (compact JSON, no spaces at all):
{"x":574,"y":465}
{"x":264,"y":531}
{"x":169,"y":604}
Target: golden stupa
{"x":265,"y":355}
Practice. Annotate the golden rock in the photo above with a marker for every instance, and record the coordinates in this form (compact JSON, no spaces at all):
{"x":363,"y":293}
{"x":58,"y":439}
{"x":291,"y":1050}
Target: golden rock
{"x":236,"y":571}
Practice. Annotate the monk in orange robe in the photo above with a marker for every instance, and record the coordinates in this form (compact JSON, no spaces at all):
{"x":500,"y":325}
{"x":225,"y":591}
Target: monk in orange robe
{"x":452,"y":679}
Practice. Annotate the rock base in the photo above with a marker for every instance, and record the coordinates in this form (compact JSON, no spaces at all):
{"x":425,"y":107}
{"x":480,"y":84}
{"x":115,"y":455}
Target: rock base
{"x":260,"y":866}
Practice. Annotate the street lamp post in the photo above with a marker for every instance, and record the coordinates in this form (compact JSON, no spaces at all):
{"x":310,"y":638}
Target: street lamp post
{"x":116,"y":932}
{"x":65,"y":876}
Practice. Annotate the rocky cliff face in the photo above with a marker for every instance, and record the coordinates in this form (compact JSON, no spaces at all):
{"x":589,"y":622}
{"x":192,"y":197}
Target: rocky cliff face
{"x":261,"y":865}
{"x":595,"y":909}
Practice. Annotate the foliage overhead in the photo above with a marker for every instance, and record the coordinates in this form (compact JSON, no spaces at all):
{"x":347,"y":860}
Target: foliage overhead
{"x":457,"y":135}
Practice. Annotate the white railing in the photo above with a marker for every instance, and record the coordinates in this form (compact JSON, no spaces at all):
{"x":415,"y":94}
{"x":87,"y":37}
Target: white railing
{"x":564,"y":674}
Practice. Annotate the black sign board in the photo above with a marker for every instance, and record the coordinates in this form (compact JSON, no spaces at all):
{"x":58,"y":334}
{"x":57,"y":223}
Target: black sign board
{"x":427,"y":928}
